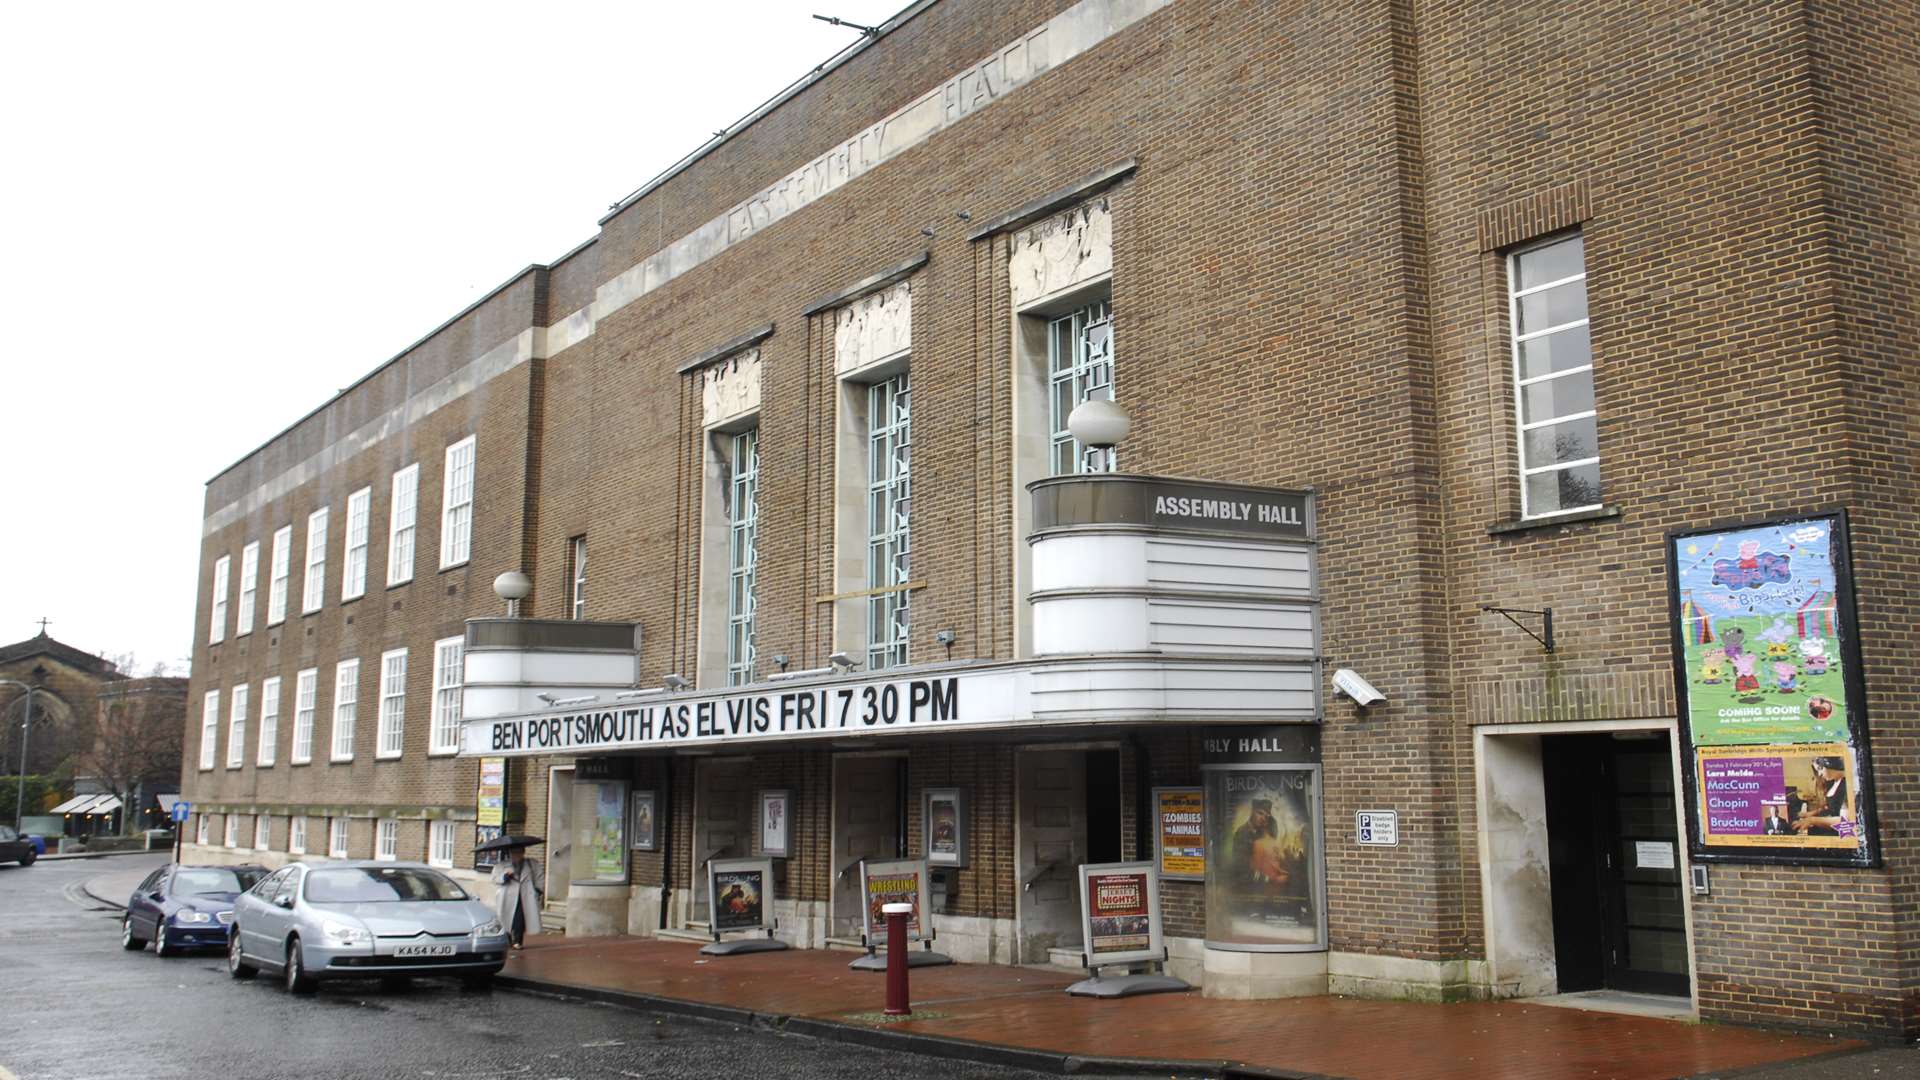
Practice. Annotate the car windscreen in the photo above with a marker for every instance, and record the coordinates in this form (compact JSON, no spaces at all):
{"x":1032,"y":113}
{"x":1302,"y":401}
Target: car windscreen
{"x":213,"y":880}
{"x":379,"y":884}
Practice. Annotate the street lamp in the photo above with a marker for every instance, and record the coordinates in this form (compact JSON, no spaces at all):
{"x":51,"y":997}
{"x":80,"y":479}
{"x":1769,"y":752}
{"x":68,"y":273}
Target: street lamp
{"x":20,"y":797}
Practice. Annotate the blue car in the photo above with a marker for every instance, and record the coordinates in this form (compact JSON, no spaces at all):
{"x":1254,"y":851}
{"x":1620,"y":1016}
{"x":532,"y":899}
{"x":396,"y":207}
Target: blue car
{"x":185,"y":907}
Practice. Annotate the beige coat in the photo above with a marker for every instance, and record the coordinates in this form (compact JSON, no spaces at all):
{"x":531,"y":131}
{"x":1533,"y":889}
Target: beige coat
{"x":523,"y":893}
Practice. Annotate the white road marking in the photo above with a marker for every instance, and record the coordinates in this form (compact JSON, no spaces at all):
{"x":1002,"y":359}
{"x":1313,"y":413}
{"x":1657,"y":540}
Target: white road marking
{"x":7,"y":1074}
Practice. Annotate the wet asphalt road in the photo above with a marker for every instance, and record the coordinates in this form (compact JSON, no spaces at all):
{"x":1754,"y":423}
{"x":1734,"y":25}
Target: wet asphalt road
{"x":75,"y":1006}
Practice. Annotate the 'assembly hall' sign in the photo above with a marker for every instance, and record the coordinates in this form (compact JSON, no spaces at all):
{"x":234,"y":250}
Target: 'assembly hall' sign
{"x":840,"y":707}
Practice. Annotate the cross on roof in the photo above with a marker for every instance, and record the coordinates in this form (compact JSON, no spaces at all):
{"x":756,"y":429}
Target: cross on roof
{"x":43,"y":625}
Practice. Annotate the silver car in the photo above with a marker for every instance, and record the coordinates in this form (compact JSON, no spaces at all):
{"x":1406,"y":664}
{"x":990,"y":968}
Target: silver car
{"x":360,"y":920}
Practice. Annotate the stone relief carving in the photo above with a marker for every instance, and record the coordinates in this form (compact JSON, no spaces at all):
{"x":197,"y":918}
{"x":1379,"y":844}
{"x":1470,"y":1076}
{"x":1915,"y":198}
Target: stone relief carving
{"x":873,"y":328}
{"x":731,"y":387}
{"x":1061,"y":252}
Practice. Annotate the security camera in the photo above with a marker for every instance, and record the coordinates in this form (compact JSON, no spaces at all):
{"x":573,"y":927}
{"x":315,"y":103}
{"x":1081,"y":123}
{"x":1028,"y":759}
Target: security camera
{"x":1349,"y":682}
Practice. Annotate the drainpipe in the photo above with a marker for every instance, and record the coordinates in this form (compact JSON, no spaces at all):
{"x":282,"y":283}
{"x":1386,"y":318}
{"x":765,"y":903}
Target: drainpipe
{"x":666,"y":838}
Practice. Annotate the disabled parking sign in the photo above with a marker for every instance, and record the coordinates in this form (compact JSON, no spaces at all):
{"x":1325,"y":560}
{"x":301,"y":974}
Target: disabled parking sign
{"x":1380,"y":828}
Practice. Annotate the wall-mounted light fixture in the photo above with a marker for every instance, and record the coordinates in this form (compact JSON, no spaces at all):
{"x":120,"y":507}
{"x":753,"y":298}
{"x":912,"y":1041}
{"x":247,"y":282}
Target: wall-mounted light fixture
{"x":947,"y":638}
{"x":673,"y":680}
{"x":842,"y":661}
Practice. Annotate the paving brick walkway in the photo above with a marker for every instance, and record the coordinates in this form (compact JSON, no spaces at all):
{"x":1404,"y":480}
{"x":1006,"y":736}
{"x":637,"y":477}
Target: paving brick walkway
{"x":1328,"y":1036}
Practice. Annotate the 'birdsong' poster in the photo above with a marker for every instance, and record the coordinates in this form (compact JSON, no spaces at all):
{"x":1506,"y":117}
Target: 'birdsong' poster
{"x":1264,"y":888}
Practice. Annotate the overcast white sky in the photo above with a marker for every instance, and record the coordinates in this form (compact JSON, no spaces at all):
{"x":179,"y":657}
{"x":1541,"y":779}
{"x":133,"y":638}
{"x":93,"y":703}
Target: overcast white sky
{"x":214,"y":216}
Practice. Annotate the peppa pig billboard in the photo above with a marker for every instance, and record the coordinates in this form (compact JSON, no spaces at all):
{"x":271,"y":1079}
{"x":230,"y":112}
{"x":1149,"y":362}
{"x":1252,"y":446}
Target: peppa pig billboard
{"x":1767,"y":673}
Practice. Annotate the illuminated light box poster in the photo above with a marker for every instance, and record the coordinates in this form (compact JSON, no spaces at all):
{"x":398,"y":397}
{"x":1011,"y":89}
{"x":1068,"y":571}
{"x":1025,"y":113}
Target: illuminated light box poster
{"x":1120,"y":913}
{"x":945,"y":815}
{"x":894,"y":881}
{"x":1181,"y":844}
{"x":1265,"y":863}
{"x":738,"y":891}
{"x":1767,"y":671}
{"x":609,"y":835}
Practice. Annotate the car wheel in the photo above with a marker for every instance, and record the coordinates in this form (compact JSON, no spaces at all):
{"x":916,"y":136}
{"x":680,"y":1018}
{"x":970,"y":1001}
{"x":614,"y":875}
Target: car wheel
{"x":298,"y":981}
{"x":129,"y":940}
{"x":237,"y":965}
{"x":161,"y":947}
{"x":27,"y":859}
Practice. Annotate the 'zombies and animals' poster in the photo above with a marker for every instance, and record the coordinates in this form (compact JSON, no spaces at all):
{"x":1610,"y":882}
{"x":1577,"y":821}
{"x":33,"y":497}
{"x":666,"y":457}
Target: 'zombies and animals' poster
{"x":1767,"y":670}
{"x":1263,"y":858}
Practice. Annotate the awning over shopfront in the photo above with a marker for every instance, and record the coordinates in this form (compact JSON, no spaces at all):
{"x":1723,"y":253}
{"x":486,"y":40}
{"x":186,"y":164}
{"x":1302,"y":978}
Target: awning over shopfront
{"x":73,"y":805}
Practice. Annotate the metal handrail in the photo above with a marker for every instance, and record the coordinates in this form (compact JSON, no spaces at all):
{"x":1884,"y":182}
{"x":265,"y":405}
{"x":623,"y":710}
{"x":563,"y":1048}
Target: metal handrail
{"x":1039,"y":872}
{"x":854,"y":865}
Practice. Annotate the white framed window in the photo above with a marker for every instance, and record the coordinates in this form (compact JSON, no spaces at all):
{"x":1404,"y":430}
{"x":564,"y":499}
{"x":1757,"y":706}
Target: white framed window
{"x":277,"y":577}
{"x":743,"y":527}
{"x":200,"y":831}
{"x":393,"y":703}
{"x":1079,"y":368}
{"x":337,"y":838}
{"x":306,"y":688}
{"x":448,"y":656}
{"x":889,"y":512}
{"x":386,"y":846}
{"x":313,"y":588}
{"x":233,"y":830}
{"x":577,"y":577}
{"x":440,"y":845}
{"x":1554,"y":416}
{"x":296,"y":835}
{"x":237,"y":727}
{"x":269,"y":721}
{"x":400,"y":517}
{"x":346,"y":706}
{"x":249,"y":588}
{"x":353,"y":563}
{"x":217,"y":626}
{"x":456,"y":505}
{"x":262,"y":833}
{"x":209,"y":728}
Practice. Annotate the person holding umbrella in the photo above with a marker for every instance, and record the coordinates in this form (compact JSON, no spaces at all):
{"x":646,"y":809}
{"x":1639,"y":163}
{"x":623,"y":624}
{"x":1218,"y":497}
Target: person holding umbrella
{"x":519,"y":886}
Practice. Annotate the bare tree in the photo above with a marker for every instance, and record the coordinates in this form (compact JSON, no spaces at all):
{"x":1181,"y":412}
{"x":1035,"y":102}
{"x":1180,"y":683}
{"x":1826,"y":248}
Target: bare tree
{"x":133,"y":743}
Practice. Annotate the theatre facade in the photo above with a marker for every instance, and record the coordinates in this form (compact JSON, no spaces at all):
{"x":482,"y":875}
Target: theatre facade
{"x":1500,"y":585}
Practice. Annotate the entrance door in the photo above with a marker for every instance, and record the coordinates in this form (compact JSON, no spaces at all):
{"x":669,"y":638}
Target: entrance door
{"x":559,"y":835}
{"x":1053,"y":844}
{"x":722,"y":821}
{"x":866,"y":825}
{"x":1619,"y":918}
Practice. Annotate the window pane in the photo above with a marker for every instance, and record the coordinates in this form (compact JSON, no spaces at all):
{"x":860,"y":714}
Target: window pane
{"x":1550,"y":263}
{"x":1564,"y":489}
{"x":1569,"y":348}
{"x":1556,"y":397}
{"x":1573,"y":440}
{"x":1552,"y":307}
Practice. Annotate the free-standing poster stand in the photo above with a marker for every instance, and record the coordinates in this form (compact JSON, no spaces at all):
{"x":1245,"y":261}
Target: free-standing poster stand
{"x":1120,"y":925}
{"x":740,"y":900}
{"x":896,"y":881}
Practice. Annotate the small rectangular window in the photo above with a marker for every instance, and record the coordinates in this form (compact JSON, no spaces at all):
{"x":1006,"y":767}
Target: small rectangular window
{"x":277,"y":584}
{"x":306,"y":687}
{"x":440,"y":845}
{"x":448,"y":657}
{"x":393,"y":703}
{"x":262,"y":833}
{"x":237,"y":728}
{"x":577,"y":577}
{"x":337,"y":838}
{"x":297,"y":835}
{"x":1558,"y":437}
{"x":200,"y":831}
{"x":313,"y":589}
{"x":346,"y":700}
{"x":217,"y":628}
{"x":269,"y":721}
{"x":456,"y":505}
{"x":209,"y":728}
{"x":249,"y":588}
{"x":400,"y":518}
{"x":353,"y":565}
{"x":387,"y":846}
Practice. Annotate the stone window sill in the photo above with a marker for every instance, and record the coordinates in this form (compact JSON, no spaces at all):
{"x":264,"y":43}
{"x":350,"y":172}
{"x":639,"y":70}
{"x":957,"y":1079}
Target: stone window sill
{"x":1506,"y":528}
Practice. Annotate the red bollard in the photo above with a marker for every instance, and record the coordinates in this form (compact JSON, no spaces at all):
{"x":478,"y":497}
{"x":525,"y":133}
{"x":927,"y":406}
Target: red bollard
{"x":897,"y":958}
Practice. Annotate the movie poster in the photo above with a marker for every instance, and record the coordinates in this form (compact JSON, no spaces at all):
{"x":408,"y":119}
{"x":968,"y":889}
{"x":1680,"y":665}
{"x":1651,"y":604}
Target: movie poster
{"x":645,"y":837}
{"x":893,"y":881}
{"x":1181,"y":814}
{"x":1263,"y":857}
{"x":609,"y":831}
{"x":738,"y":899}
{"x":483,"y":860}
{"x":1117,"y":915}
{"x":946,"y":828}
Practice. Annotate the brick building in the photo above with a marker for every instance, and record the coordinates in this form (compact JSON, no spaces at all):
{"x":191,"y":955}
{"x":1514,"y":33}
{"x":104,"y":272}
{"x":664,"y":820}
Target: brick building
{"x":1429,"y":321}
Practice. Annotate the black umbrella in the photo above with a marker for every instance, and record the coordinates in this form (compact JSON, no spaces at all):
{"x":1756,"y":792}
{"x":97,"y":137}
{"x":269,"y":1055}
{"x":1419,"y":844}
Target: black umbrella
{"x":503,"y":843}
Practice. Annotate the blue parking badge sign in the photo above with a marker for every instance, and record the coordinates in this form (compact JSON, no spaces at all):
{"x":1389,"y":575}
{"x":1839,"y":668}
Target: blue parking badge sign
{"x":180,"y":809}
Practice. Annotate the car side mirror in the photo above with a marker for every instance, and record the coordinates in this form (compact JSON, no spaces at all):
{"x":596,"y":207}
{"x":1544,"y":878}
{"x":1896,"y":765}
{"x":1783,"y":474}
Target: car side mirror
{"x":283,"y":901}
